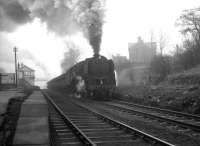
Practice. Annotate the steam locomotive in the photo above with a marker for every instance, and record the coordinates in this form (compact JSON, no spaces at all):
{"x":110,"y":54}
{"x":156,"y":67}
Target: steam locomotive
{"x":98,"y":76}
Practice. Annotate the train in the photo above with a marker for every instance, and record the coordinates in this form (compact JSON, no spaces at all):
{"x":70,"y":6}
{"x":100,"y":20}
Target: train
{"x":97,"y":74}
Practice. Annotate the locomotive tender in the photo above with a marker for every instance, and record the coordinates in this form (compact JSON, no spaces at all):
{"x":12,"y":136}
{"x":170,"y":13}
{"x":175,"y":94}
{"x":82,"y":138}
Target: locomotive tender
{"x":97,"y":73}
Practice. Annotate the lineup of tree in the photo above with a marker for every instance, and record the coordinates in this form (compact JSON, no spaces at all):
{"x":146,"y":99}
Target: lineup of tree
{"x":186,"y":55}
{"x":189,"y":56}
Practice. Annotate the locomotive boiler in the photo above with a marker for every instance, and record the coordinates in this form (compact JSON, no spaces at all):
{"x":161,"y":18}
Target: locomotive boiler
{"x":96,"y":72}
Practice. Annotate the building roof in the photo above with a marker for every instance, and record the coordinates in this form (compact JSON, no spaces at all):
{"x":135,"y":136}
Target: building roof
{"x":24,"y":67}
{"x":143,"y":44}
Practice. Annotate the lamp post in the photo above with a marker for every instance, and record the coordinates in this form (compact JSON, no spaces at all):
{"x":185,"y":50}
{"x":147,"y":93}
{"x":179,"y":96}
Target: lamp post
{"x":16,"y":78}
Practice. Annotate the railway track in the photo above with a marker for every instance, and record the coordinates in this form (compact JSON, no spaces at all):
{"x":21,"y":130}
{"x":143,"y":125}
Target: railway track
{"x":62,"y":130}
{"x":88,"y":127}
{"x":179,"y":114}
{"x":181,"y":121}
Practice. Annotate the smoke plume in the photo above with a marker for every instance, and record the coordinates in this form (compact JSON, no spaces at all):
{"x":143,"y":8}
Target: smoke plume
{"x":57,"y":14}
{"x":90,"y":16}
{"x":12,"y":15}
{"x":64,"y":17}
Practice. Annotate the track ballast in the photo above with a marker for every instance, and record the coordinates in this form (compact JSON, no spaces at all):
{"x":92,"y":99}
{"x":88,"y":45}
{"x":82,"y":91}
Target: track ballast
{"x":88,"y":127}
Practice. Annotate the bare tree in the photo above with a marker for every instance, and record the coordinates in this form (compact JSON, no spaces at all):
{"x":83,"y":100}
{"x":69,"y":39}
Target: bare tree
{"x":163,"y":41}
{"x":152,"y":36}
{"x":71,"y":57}
{"x":189,"y":21}
{"x":190,"y":24}
{"x":160,"y":67}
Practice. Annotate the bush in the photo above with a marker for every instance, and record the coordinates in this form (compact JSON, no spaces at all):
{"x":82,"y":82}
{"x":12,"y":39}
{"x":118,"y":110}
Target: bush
{"x":160,"y":67}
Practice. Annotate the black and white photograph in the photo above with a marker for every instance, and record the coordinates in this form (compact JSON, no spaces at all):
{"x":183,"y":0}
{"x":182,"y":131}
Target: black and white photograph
{"x":99,"y":73}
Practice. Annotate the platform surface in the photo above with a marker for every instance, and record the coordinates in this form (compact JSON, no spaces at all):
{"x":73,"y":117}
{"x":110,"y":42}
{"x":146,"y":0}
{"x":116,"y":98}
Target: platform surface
{"x":32,"y":131}
{"x":5,"y":96}
{"x":33,"y":126}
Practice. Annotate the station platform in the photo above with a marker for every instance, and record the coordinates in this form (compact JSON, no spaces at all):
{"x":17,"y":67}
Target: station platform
{"x":5,"y":97}
{"x":32,"y":126}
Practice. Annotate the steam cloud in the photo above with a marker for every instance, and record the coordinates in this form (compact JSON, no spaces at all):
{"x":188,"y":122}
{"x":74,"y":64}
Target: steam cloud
{"x":61,"y":16}
{"x":25,"y":54}
{"x":64,"y":17}
{"x":12,"y":14}
{"x":6,"y":55}
{"x":90,"y":15}
{"x":71,"y":57}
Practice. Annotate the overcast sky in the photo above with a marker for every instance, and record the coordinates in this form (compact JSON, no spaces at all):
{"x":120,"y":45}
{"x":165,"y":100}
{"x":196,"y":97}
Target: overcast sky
{"x":125,"y":20}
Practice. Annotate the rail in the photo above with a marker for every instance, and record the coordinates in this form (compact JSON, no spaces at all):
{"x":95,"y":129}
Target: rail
{"x":183,"y":124}
{"x":85,"y":140}
{"x":143,"y":135}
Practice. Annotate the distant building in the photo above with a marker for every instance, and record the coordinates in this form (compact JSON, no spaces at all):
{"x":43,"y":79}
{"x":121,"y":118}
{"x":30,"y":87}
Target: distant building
{"x":141,"y":52}
{"x":26,"y":73}
{"x":119,"y":59}
{"x":7,"y":78}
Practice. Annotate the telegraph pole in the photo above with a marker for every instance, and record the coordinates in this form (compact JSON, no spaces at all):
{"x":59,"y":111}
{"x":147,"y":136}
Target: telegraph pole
{"x":15,"y":51}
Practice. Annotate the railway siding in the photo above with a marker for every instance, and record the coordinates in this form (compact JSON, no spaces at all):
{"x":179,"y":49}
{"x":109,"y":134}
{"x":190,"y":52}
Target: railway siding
{"x":167,"y":118}
{"x":162,"y":130}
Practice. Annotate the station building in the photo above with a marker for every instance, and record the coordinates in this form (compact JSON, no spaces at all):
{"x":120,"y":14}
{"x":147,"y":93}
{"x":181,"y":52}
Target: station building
{"x":25,"y":73}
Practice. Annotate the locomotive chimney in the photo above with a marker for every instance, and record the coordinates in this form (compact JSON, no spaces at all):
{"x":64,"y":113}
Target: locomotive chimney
{"x":96,"y":55}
